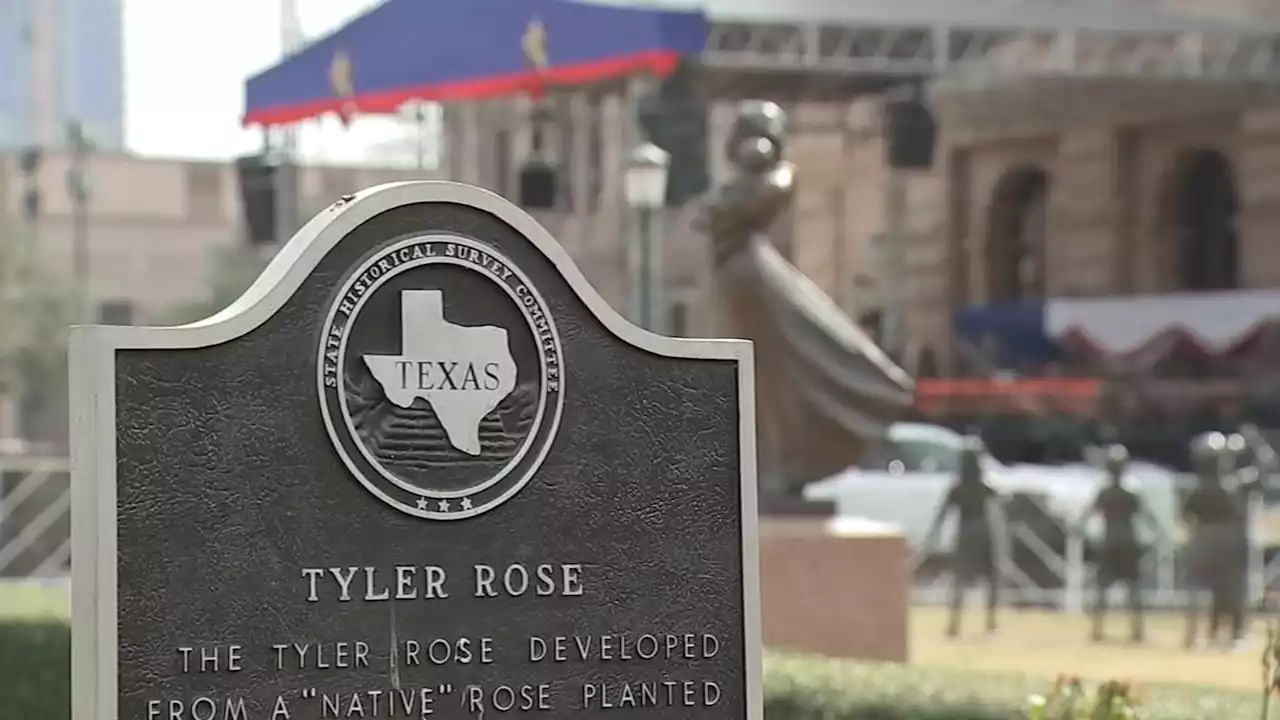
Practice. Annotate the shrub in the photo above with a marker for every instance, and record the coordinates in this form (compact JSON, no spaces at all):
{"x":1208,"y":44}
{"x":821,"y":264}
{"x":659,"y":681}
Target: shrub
{"x":799,"y":688}
{"x":1070,"y":698}
{"x":35,"y":670}
{"x":35,"y":685}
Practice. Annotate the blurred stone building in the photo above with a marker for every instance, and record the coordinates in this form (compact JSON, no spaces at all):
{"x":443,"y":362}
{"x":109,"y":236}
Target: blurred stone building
{"x":1091,"y":149}
{"x":1125,"y":210}
{"x":838,"y":212}
{"x":151,"y":226}
{"x":1105,"y":175}
{"x":153,"y":231}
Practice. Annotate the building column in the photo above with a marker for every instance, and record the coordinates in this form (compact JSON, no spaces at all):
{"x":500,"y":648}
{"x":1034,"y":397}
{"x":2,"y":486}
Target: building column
{"x":1257,"y":176}
{"x":467,"y":145}
{"x":1083,"y":201}
{"x":817,"y":148}
{"x":1127,"y":211}
{"x":960,"y":243}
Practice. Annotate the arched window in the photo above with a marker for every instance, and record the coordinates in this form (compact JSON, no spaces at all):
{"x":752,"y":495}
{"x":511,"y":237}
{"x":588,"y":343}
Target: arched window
{"x":1204,"y":208}
{"x":1017,"y":237}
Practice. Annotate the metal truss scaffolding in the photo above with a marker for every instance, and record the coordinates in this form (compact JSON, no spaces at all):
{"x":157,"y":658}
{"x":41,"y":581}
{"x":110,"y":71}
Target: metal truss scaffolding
{"x":1142,"y":42}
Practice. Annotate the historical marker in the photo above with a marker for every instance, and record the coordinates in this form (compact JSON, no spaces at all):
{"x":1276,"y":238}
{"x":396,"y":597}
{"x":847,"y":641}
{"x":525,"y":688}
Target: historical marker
{"x":420,"y":469}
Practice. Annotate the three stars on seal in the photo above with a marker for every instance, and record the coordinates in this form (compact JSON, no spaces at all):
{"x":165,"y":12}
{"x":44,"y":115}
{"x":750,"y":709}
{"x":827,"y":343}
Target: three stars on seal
{"x":444,"y":505}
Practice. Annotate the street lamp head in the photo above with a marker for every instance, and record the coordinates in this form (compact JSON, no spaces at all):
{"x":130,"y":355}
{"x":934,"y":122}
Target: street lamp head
{"x":646,"y":177}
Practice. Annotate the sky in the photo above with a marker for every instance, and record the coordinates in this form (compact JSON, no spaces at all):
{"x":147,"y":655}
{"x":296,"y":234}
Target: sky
{"x":185,"y":67}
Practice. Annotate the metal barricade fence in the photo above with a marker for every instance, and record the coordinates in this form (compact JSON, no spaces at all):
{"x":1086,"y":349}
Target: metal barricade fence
{"x":35,"y":517}
{"x":1071,"y":586}
{"x":35,"y":544}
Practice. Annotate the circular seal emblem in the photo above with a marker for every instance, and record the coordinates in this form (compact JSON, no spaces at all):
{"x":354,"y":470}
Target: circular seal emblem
{"x":439,"y":376}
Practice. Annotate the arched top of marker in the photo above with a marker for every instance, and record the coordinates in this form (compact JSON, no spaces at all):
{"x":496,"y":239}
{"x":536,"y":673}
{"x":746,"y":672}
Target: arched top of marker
{"x":303,"y":253}
{"x":421,"y":366}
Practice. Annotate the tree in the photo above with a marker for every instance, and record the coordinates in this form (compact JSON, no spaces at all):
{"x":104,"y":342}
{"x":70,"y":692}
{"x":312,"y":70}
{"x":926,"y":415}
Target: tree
{"x":37,"y":307}
{"x":231,"y":270}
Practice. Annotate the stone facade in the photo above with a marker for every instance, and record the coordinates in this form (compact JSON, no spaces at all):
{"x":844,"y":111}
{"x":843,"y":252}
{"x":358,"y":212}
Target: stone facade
{"x":1113,"y":154}
{"x":151,"y":224}
{"x":1110,"y":151}
{"x":839,"y":207}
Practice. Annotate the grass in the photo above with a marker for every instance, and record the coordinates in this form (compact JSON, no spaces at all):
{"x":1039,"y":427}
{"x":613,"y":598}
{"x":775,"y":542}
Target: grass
{"x":1030,"y":643}
{"x":824,"y":689}
{"x":27,"y":601}
{"x":1045,"y":644}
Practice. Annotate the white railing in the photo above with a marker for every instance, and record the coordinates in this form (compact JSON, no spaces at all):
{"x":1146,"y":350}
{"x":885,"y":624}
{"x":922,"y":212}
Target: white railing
{"x":1075,"y":584}
{"x":35,"y":517}
{"x":35,"y":544}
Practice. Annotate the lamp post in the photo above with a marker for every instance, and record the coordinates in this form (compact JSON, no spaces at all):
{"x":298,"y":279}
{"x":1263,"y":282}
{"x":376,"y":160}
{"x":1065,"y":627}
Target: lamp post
{"x":893,"y":284}
{"x":15,"y":336}
{"x":78,"y":189}
{"x":646,"y":190}
{"x":416,"y":112}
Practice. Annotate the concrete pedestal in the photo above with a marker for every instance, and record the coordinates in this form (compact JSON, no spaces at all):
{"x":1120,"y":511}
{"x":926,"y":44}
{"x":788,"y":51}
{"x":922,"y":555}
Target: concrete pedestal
{"x":835,"y":588}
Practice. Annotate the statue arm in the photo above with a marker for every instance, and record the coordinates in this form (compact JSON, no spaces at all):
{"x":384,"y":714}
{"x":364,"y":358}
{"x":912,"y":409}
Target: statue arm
{"x":940,"y":515}
{"x":1251,"y":480}
{"x":1261,"y":475}
{"x":1088,"y":512}
{"x":727,"y":219}
{"x":1191,"y":508}
{"x":1268,"y":467}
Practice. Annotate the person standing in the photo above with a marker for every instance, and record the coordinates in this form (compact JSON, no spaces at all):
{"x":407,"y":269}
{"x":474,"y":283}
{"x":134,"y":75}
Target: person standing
{"x":1120,"y":557}
{"x":980,"y":535}
{"x":1212,"y":515}
{"x":1254,"y":464}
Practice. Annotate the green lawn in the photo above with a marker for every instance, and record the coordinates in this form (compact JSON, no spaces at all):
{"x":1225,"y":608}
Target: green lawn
{"x":33,"y":602}
{"x":1046,"y":644}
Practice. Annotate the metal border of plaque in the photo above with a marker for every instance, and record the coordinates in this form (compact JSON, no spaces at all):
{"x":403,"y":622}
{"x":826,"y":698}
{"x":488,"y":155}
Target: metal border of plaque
{"x":93,"y":353}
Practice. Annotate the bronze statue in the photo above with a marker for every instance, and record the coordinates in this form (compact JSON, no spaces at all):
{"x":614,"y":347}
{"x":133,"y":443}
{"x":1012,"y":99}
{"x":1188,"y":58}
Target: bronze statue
{"x":1215,"y":567}
{"x":1120,"y":556}
{"x":1255,"y":466}
{"x":824,"y":390}
{"x":981,"y":534}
